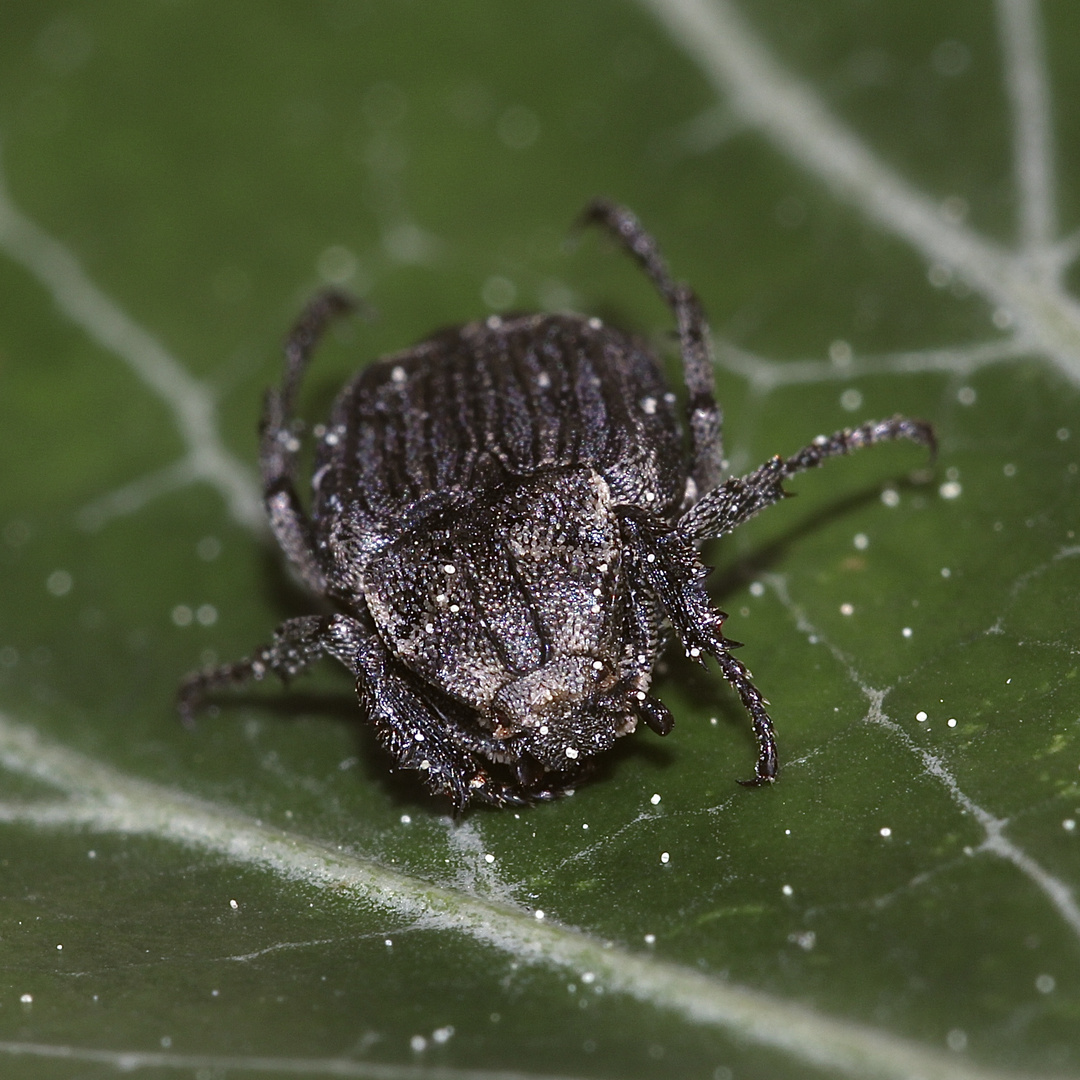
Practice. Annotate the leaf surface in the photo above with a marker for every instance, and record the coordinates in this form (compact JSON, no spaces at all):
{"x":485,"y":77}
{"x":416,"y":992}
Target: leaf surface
{"x":875,"y":205}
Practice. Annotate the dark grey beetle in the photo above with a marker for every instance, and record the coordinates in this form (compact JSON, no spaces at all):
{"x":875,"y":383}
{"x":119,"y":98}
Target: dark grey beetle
{"x":507,"y":517}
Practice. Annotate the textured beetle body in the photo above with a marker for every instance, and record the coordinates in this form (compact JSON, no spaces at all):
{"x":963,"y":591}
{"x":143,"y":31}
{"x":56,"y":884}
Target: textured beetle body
{"x":507,"y":518}
{"x":487,"y":473}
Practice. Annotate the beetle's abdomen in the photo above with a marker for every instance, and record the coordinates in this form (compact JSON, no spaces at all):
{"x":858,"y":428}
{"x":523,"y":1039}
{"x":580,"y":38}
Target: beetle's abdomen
{"x":521,"y":395}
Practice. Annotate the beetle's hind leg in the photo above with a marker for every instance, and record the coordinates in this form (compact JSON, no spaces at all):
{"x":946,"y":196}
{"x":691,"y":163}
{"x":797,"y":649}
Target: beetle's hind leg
{"x":703,"y":413}
{"x":278,"y":444}
{"x":305,"y":335}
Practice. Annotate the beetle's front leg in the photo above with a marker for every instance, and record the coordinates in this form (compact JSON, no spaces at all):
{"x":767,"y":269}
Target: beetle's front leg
{"x":418,"y":733}
{"x":666,"y":562}
{"x":297,"y":644}
{"x":741,"y":681}
{"x":431,"y":733}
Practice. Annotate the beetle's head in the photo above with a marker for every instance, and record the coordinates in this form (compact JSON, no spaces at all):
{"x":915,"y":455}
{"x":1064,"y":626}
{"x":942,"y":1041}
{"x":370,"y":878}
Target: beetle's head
{"x":565,"y":711}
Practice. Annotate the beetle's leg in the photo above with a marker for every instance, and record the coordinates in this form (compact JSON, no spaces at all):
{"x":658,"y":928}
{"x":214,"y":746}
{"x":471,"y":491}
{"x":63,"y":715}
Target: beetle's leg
{"x":278,"y":444}
{"x":644,"y":643}
{"x":416,"y":731}
{"x":645,"y":635}
{"x":305,"y":335}
{"x":703,"y":413}
{"x":532,"y":785}
{"x":433,"y":734}
{"x":740,"y":498}
{"x":297,"y":644}
{"x":666,"y":563}
{"x":736,"y":673}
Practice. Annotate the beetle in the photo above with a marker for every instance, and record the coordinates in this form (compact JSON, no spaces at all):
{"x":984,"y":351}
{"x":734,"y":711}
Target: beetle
{"x":506,"y":518}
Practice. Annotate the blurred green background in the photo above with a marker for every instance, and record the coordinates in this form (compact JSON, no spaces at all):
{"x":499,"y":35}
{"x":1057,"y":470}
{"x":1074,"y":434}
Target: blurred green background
{"x":909,"y":887}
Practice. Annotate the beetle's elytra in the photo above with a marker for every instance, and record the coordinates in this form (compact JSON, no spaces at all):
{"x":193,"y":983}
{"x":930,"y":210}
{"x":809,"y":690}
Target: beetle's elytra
{"x":507,"y":518}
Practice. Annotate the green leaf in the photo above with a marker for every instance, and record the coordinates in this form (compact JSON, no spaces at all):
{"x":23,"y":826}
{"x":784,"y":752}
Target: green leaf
{"x":874,"y":203}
